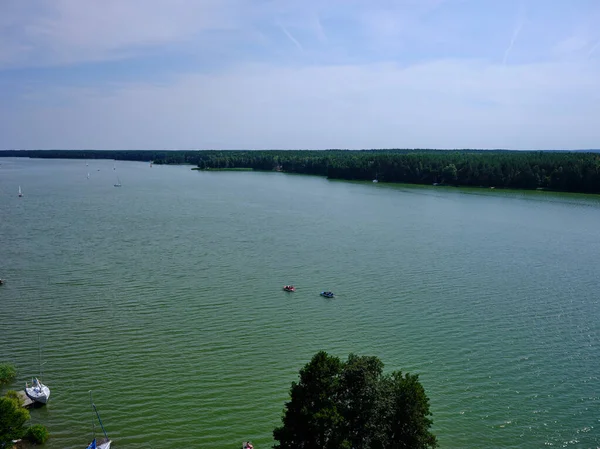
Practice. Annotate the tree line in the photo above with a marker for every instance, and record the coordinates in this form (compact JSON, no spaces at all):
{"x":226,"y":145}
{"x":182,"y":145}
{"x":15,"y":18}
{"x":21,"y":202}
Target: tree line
{"x":562,"y":171}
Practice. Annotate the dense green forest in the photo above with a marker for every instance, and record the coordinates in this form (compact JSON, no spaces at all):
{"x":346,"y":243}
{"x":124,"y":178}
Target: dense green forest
{"x":565,"y":171}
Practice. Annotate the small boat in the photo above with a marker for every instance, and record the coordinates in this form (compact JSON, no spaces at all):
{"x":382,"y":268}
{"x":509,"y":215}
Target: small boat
{"x":37,"y":391}
{"x":289,"y":288}
{"x":20,"y":193}
{"x":118,"y":184}
{"x":105,"y":442}
{"x":327,"y":294}
{"x":1,"y":282}
{"x":247,"y":445}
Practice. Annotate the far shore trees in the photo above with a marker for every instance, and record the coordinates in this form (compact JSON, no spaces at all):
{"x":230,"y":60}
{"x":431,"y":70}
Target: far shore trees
{"x":575,"y":171}
{"x":354,"y":405}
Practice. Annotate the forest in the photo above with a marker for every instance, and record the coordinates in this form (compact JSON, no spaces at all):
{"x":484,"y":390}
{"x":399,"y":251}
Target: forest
{"x":575,"y":171}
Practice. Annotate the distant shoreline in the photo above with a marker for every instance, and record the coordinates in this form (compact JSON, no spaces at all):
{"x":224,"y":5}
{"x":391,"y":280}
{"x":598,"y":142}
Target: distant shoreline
{"x":561,"y":171}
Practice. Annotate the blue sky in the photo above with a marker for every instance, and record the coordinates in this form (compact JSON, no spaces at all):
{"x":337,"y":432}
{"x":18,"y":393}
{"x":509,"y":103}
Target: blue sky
{"x":199,"y":74}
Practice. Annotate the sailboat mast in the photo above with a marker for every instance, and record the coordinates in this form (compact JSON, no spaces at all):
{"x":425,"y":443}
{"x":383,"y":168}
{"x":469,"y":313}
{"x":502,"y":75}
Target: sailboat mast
{"x":93,"y":420}
{"x":40,"y":354}
{"x":99,"y":420}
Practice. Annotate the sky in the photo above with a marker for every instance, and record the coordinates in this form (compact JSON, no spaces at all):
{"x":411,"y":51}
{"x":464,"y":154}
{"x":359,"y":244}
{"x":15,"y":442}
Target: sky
{"x":299,"y":74}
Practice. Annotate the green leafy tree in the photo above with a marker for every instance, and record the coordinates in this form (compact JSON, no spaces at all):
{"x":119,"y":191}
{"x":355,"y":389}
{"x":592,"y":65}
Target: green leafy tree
{"x":312,"y":418}
{"x":37,"y":434}
{"x":450,"y":173}
{"x":409,"y":413}
{"x":7,"y":373}
{"x":354,"y":405}
{"x":12,"y":420}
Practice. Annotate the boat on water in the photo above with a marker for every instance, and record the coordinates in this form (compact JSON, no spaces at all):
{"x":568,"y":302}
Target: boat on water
{"x":37,"y":391}
{"x":328,"y":294}
{"x":247,"y":445}
{"x":103,"y":443}
{"x":289,"y":288}
{"x":118,"y":184}
{"x":20,"y":193}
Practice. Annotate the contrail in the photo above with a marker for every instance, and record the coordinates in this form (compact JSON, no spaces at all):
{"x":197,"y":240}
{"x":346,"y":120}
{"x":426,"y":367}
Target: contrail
{"x":292,"y":38}
{"x":319,"y":29}
{"x":515,"y":35}
{"x":593,"y":49}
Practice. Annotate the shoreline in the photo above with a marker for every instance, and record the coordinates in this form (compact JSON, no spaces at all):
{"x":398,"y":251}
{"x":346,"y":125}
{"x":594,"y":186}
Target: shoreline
{"x":569,"y":172}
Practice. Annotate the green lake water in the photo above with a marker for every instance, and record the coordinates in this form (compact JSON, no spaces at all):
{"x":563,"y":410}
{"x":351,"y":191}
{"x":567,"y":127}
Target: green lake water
{"x":164,"y":297}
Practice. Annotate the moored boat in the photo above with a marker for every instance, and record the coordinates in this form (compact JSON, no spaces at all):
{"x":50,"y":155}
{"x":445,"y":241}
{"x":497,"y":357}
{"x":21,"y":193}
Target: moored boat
{"x":103,"y":443}
{"x":289,"y":288}
{"x":327,"y":294}
{"x":37,"y":391}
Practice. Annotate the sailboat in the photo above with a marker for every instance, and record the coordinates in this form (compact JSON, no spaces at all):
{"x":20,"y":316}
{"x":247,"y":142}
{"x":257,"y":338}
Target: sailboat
{"x":20,"y":193}
{"x":118,"y":184}
{"x":105,"y":442}
{"x":88,"y":176}
{"x":38,"y":392}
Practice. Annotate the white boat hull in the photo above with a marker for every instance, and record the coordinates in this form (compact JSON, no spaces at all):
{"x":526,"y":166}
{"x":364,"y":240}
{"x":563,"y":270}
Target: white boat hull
{"x":38,"y":393}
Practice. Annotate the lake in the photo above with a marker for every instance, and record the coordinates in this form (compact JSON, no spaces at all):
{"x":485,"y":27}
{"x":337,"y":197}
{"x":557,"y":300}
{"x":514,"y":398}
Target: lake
{"x":164,"y":297}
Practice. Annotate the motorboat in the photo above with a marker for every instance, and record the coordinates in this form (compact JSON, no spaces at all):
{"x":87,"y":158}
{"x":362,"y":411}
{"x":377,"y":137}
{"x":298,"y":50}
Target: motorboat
{"x":327,"y":294}
{"x":289,"y":288}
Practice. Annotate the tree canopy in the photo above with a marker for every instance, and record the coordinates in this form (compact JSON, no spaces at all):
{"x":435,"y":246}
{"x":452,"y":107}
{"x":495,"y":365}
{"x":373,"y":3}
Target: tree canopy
{"x":353,"y":404}
{"x":8,"y":373}
{"x":575,"y":171}
{"x":12,"y":420}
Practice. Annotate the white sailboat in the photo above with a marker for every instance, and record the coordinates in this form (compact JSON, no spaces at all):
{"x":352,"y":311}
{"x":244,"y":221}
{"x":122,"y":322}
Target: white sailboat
{"x":88,"y":176}
{"x":37,"y":391}
{"x":118,"y":184}
{"x":20,"y":193}
{"x":105,"y":442}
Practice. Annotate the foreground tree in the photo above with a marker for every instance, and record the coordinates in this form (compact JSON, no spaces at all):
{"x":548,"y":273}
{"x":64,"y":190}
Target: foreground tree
{"x":12,"y":420}
{"x":8,"y":373}
{"x":352,"y":404}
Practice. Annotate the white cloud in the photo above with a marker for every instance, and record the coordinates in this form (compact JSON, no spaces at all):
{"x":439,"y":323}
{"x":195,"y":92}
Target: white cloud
{"x":325,"y":96}
{"x":446,"y":104}
{"x":51,"y":32}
